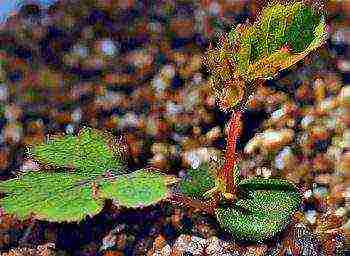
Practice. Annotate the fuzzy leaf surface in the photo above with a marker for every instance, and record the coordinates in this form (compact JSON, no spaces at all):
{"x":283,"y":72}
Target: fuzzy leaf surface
{"x":49,"y":196}
{"x":137,"y":189}
{"x":284,"y":35}
{"x":91,"y":152}
{"x":262,"y":210}
{"x":197,"y":181}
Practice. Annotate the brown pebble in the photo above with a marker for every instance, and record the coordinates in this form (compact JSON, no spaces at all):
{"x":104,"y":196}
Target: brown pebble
{"x":113,"y":253}
{"x":319,"y":133}
{"x":4,"y":158}
{"x":323,"y":179}
{"x":159,"y":242}
{"x":321,"y":164}
{"x":255,"y":250}
{"x":319,"y":90}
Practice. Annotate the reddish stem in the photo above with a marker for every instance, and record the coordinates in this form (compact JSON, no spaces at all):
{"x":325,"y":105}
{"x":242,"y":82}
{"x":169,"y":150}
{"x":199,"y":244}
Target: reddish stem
{"x":226,"y":174}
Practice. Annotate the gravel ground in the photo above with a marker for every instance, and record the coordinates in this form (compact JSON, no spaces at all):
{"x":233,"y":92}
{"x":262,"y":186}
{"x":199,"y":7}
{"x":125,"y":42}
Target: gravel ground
{"x":135,"y":69}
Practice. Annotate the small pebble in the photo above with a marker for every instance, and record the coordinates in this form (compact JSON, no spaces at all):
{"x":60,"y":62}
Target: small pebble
{"x":310,"y":216}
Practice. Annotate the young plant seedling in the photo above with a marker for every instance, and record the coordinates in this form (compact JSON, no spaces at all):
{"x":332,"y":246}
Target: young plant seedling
{"x":256,"y":209}
{"x":81,"y":172}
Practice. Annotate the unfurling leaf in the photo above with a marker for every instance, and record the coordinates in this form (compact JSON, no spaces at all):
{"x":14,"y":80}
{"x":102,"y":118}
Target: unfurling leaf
{"x":262,"y":209}
{"x":283,"y":35}
{"x":227,"y":88}
{"x":138,"y":189}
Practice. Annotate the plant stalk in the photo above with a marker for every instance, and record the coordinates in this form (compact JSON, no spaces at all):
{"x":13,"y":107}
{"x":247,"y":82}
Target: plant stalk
{"x":226,"y":174}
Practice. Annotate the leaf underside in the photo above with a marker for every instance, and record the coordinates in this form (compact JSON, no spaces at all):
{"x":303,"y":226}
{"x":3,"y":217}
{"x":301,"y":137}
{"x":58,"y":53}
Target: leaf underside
{"x":90,"y":153}
{"x":262,"y":210}
{"x":138,"y":189}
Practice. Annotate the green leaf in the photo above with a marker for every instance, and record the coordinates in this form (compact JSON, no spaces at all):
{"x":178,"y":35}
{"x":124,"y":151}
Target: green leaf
{"x":227,"y":88}
{"x":49,"y":196}
{"x":60,"y":196}
{"x":138,"y":189}
{"x":262,"y":209}
{"x":91,"y":152}
{"x":282,"y":36}
{"x":97,"y":152}
{"x":197,"y":182}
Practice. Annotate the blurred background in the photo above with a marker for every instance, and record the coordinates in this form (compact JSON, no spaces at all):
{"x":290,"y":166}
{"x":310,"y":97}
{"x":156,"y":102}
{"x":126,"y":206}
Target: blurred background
{"x":134,"y":68}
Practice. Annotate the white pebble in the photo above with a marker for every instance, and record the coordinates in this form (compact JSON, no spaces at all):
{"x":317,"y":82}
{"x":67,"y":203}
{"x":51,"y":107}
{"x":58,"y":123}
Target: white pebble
{"x":178,"y":138}
{"x":214,"y":8}
{"x":81,"y":50}
{"x":320,"y":192}
{"x":168,"y":71}
{"x":155,"y":27}
{"x":166,"y":250}
{"x":193,"y":159}
{"x":258,"y":171}
{"x":76,"y":115}
{"x":327,"y":104}
{"x":334,"y":153}
{"x":29,"y":165}
{"x":341,"y":212}
{"x":266,"y":172}
{"x":173,"y":109}
{"x":277,"y":114}
{"x":108,"y":47}
{"x":308,"y":194}
{"x":281,"y":157}
{"x":310,"y":216}
{"x":271,"y":136}
{"x":338,"y":37}
{"x":159,"y":85}
{"x":203,"y":153}
{"x":197,"y":78}
{"x":131,"y":119}
{"x":4,"y":94}
{"x":69,"y":129}
{"x":108,"y":241}
{"x":253,"y":144}
{"x":140,"y":58}
{"x":306,"y":121}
